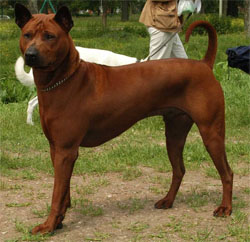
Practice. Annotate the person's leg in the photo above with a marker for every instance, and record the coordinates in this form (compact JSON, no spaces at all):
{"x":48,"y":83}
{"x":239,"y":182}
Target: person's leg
{"x":161,"y":44}
{"x":178,"y":50}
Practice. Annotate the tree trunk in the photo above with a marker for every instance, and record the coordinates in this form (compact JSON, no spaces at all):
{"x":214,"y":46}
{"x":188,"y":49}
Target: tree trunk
{"x":125,"y":11}
{"x":32,"y":5}
{"x":104,"y":13}
{"x":247,"y":17}
{"x":224,"y":7}
{"x":232,"y":8}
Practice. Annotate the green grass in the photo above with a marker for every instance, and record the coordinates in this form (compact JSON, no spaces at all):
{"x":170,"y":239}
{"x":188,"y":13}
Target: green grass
{"x":17,"y":205}
{"x":86,"y":207}
{"x":41,"y":213}
{"x":98,"y":236}
{"x":138,"y":227}
{"x":92,"y":187}
{"x":26,"y":235}
{"x":134,"y":205}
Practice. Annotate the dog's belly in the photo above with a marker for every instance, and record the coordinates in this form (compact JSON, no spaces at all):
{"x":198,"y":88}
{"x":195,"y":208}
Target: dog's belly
{"x":99,"y":134}
{"x":111,"y":129}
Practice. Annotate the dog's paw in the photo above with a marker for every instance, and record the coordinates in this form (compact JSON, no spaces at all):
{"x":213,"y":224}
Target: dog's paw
{"x":42,"y":229}
{"x":164,"y":204}
{"x":222,"y":211}
{"x":46,"y":229}
{"x":59,"y":226}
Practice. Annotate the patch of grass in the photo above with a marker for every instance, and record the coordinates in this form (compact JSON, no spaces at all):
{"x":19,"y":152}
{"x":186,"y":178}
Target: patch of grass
{"x":86,"y":207}
{"x":4,"y":186}
{"x":202,"y":235}
{"x":17,"y":205}
{"x":5,"y":165}
{"x":159,"y":180}
{"x":161,"y":234}
{"x":93,"y":186}
{"x":239,"y":151}
{"x":131,"y":173}
{"x":238,"y":203}
{"x":196,"y":199}
{"x":16,"y":187}
{"x":175,"y":225}
{"x":134,"y":205}
{"x":164,"y":181}
{"x":42,"y":212}
{"x":27,"y":175}
{"x":116,"y":224}
{"x":239,"y":227}
{"x":98,"y":236}
{"x":26,"y":235}
{"x":212,"y":172}
{"x":138,"y":227}
{"x":194,"y":154}
{"x":157,"y":190}
{"x":247,"y":190}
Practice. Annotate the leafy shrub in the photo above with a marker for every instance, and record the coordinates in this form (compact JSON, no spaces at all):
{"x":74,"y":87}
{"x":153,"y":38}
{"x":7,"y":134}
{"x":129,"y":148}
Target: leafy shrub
{"x":12,"y":91}
{"x":237,"y":25}
{"x":192,"y":19}
{"x":223,"y":25}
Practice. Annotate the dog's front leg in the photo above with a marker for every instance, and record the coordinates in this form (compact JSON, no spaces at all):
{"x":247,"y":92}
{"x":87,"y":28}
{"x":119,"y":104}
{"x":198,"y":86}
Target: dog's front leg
{"x":67,"y":200}
{"x":63,"y":162}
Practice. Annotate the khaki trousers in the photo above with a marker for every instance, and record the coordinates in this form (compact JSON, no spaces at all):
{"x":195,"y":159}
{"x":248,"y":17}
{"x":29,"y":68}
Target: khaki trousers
{"x":173,"y":49}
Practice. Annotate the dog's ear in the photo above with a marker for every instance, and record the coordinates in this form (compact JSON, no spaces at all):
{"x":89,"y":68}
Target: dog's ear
{"x":64,"y":19}
{"x":22,"y":15}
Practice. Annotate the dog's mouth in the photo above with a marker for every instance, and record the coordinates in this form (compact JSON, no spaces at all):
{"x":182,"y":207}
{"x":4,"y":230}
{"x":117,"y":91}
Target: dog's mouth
{"x":38,"y":64}
{"x":41,"y":67}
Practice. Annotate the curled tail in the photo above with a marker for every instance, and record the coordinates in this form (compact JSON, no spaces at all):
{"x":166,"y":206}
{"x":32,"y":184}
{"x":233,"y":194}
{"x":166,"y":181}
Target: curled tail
{"x":25,"y":78}
{"x":212,"y":40}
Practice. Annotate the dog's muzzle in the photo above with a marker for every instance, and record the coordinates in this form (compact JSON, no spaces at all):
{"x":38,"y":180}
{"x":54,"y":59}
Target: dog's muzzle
{"x":32,"y":57}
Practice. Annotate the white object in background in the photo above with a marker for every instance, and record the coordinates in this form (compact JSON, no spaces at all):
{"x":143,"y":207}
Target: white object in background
{"x":189,"y":6}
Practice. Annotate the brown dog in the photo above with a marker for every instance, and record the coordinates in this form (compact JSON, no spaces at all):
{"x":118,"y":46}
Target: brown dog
{"x":84,"y":104}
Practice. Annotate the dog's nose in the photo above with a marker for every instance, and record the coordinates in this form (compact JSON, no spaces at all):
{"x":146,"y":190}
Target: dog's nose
{"x":31,"y":56}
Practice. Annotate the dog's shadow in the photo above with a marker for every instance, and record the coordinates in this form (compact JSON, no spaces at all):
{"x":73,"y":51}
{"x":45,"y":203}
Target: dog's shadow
{"x":107,"y":214}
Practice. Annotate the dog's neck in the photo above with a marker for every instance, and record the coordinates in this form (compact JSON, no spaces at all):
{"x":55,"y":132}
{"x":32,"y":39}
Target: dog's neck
{"x":45,"y":79}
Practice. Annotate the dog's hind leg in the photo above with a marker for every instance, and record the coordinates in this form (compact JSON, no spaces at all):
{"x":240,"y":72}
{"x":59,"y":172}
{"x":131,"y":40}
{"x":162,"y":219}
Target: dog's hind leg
{"x":31,"y":106}
{"x":177,"y":127}
{"x":213,"y":136}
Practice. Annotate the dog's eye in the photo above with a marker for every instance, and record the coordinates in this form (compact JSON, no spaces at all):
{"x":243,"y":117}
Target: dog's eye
{"x":49,"y":36}
{"x":27,"y":36}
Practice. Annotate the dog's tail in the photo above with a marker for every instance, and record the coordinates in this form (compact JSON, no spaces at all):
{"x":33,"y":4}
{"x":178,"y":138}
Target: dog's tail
{"x":25,"y":78}
{"x":212,"y":40}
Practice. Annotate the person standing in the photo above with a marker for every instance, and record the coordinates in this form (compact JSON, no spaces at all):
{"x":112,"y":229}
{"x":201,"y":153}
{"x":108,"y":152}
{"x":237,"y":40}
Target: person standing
{"x":163,"y":23}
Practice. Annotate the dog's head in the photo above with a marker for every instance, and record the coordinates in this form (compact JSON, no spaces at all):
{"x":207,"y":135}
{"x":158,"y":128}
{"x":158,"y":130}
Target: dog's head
{"x":45,"y":40}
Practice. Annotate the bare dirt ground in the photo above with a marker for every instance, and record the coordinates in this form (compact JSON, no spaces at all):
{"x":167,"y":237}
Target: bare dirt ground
{"x":119,"y":210}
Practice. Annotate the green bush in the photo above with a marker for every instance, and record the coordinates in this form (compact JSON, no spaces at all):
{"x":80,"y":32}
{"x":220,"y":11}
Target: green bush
{"x":223,"y":25}
{"x":12,"y":91}
{"x":237,"y":25}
